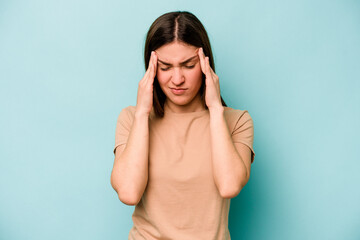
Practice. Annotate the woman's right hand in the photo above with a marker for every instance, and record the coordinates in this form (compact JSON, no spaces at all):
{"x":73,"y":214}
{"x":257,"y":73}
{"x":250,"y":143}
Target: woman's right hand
{"x":144,"y":101}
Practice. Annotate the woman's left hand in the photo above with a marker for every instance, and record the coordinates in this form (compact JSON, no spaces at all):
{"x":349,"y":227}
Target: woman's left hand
{"x":212,"y":90}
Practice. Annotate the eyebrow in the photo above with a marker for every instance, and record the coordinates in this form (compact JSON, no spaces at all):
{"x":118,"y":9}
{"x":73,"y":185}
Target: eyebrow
{"x":182,"y":63}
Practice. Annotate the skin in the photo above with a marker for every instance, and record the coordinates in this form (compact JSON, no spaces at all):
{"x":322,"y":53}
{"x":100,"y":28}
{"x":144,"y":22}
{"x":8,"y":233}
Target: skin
{"x":179,"y":67}
{"x":230,"y":161}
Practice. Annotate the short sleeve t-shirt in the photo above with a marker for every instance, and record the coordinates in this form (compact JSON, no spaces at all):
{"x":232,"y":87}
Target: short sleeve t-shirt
{"x":181,"y":200}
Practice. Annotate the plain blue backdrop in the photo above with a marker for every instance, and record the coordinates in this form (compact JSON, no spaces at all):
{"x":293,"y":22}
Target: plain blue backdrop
{"x":67,"y":68}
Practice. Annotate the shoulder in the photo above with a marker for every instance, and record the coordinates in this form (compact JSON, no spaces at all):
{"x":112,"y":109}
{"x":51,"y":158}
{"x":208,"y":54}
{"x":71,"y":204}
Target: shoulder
{"x":129,"y":110}
{"x":231,"y":113}
{"x":234,"y":117}
{"x":127,"y":114}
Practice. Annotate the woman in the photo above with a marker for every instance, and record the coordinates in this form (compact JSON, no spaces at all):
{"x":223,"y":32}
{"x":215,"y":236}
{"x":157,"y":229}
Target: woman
{"x":180,"y":154}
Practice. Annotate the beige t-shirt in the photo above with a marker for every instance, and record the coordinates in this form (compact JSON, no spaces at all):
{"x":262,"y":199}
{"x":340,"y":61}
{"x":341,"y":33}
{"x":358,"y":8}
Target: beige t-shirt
{"x":181,"y":200}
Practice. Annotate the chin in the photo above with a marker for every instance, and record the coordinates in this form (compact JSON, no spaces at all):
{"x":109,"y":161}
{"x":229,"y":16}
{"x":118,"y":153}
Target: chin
{"x":182,"y":102}
{"x":179,"y":100}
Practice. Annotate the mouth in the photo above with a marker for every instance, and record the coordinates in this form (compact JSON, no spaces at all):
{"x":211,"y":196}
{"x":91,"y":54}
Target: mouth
{"x":178,"y":91}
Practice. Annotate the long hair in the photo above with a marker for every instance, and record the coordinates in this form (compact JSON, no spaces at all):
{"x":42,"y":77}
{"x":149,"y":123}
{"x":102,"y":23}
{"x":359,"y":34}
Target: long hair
{"x":179,"y":26}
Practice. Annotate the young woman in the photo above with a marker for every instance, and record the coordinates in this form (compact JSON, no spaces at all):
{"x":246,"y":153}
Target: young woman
{"x":180,"y":154}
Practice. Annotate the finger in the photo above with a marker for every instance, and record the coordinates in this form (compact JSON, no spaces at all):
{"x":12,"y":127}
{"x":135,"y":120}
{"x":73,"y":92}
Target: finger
{"x":150,"y":61}
{"x":149,"y":69}
{"x":147,"y":73}
{"x":202,"y":60}
{"x":213,"y":74}
{"x":155,"y":61}
{"x":153,"y":68}
{"x":207,"y":68}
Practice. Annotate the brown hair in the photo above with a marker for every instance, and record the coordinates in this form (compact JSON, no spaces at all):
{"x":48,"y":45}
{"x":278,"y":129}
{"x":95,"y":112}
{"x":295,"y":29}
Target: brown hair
{"x":180,"y":26}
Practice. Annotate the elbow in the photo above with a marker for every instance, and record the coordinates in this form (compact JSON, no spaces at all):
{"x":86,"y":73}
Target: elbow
{"x":230,"y":192}
{"x":129,"y":199}
{"x":231,"y":185}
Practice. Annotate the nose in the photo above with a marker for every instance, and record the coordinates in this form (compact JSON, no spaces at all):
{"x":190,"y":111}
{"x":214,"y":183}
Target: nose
{"x":177,"y":77}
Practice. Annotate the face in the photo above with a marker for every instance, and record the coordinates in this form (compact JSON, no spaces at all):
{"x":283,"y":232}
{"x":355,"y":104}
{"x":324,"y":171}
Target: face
{"x":179,"y":74}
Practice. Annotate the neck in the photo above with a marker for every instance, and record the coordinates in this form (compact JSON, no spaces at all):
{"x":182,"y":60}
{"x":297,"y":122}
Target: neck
{"x":193,"y":106}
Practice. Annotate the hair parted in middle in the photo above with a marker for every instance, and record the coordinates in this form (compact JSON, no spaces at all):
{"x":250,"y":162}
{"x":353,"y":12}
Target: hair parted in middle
{"x":170,"y":27}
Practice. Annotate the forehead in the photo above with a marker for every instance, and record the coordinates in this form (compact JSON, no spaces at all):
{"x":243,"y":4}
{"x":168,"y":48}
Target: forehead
{"x":176,"y":52}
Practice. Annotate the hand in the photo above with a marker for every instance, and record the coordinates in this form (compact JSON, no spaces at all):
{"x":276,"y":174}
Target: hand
{"x":212,"y":90}
{"x":144,"y":101}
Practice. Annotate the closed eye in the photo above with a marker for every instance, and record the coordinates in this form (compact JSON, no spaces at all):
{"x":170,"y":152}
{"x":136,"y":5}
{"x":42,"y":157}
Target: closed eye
{"x":186,"y":66}
{"x":189,"y":67}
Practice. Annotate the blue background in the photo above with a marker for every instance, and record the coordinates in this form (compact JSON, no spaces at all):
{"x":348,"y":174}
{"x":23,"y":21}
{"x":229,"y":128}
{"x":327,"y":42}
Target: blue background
{"x":67,"y":68}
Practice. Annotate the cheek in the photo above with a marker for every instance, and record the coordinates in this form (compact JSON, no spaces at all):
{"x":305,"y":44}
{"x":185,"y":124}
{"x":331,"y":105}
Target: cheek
{"x":195,"y":75}
{"x":163,"y":79}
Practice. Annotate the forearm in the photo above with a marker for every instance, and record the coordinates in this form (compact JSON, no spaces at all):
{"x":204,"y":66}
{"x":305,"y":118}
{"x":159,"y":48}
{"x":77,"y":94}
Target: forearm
{"x":130,"y":173}
{"x":229,"y":169}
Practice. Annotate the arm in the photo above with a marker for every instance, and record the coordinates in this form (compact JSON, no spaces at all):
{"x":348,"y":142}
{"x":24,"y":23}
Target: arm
{"x":231,"y":161}
{"x":130,"y":171}
{"x":129,"y":176}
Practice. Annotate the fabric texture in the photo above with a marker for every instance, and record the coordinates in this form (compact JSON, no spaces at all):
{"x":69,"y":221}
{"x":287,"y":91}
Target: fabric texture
{"x":181,"y":200}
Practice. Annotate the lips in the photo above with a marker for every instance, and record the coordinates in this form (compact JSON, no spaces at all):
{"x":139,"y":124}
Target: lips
{"x":178,"y":91}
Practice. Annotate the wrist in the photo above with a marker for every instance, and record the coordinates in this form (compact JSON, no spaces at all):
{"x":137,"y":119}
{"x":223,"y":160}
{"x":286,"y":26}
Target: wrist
{"x":216,"y":115}
{"x":218,"y":110}
{"x":141,"y":114}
